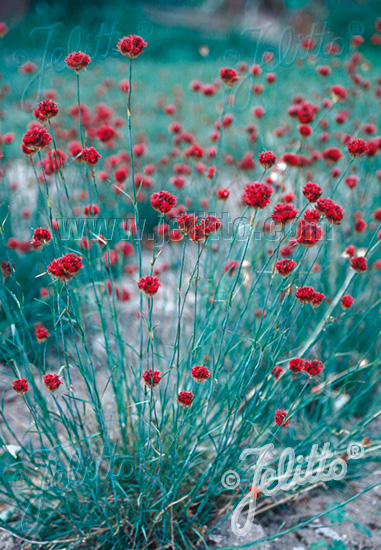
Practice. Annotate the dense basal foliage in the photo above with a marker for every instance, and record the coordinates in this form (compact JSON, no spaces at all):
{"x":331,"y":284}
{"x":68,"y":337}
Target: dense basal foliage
{"x":190,"y":268}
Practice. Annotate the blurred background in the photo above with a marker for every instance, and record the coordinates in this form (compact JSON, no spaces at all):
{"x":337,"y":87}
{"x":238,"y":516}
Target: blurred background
{"x":177,"y":30}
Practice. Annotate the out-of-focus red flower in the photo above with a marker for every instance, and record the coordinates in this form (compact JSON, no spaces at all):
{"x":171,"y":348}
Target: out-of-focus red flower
{"x":229,"y":76}
{"x":281,"y":418}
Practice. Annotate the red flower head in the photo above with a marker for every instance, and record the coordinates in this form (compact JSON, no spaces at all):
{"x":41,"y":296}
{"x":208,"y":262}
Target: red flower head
{"x":296,"y":365}
{"x":106,"y":133}
{"x":312,"y":192}
{"x":3,"y":29}
{"x":187,"y":223}
{"x":131,"y":46}
{"x":195,"y":151}
{"x":276,"y":372}
{"x":356,"y":147}
{"x":199,"y":373}
{"x":223,"y":194}
{"x":42,"y":334}
{"x":257,"y":195}
{"x":284,"y":213}
{"x":36,"y":139}
{"x":229,"y":76}
{"x":77,"y":61}
{"x":230,"y":267}
{"x":163,"y":201}
{"x":46,"y":110}
{"x":20,"y":385}
{"x":7,"y":268}
{"x":211,"y":225}
{"x":281,"y":418}
{"x":89,"y":156}
{"x":311,"y":216}
{"x":304,"y":130}
{"x":359,"y":264}
{"x":52,"y":382}
{"x":305,"y":294}
{"x":332,"y":211}
{"x":149,"y":380}
{"x":332,"y":155}
{"x":308,"y":235}
{"x":318,"y":299}
{"x":285,"y":267}
{"x":267,"y":159}
{"x":66,"y":267}
{"x":41,"y":237}
{"x":347,"y":301}
{"x":198,"y":233}
{"x":313,"y":368}
{"x":91,"y":210}
{"x":149,"y":285}
{"x":339,"y":93}
{"x":185,"y":398}
{"x":54,"y":160}
{"x":291,"y":159}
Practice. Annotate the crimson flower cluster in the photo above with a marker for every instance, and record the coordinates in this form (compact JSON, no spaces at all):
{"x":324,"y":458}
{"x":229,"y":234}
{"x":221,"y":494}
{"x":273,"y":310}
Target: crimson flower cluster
{"x":229,"y":76}
{"x":281,"y":418}
{"x":89,"y":156}
{"x":41,"y":237}
{"x":149,"y":285}
{"x":52,"y":382}
{"x":313,"y":368}
{"x":187,"y":222}
{"x":312,"y":192}
{"x":66,"y":267}
{"x":199,"y":373}
{"x":77,"y":61}
{"x":308,"y":295}
{"x":359,"y":264}
{"x":296,"y":365}
{"x":285,"y":267}
{"x":46,"y":110}
{"x":20,"y":385}
{"x":284,"y":213}
{"x":163,"y":201}
{"x":42,"y":334}
{"x":267,"y":159}
{"x":347,"y":301}
{"x":308,"y":234}
{"x":151,"y":380}
{"x":257,"y":195}
{"x":131,"y":46}
{"x":332,"y":211}
{"x":91,"y":210}
{"x":36,"y":138}
{"x":356,"y":147}
{"x":185,"y":398}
